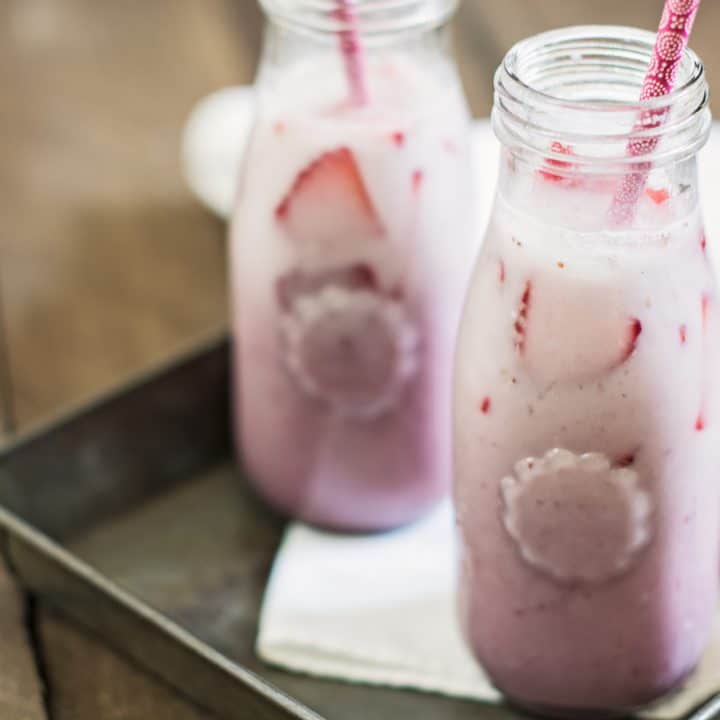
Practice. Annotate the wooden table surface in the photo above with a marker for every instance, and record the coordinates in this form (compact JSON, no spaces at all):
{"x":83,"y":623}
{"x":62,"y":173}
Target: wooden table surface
{"x":107,"y":264}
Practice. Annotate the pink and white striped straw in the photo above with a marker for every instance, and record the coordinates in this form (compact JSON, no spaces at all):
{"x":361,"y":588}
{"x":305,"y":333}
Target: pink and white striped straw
{"x":352,"y":52}
{"x":672,"y":39}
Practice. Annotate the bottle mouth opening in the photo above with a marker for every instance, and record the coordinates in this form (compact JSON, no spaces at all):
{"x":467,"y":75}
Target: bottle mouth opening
{"x":373,"y":19}
{"x":579,"y":87}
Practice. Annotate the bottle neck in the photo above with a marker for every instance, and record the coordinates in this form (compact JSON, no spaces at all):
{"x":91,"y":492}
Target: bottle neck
{"x":572,"y":199}
{"x":376,"y":22}
{"x":574,"y":92}
{"x":359,"y":59}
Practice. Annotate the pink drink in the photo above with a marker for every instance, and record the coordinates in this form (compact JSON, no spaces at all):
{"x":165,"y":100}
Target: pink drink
{"x":352,"y":247}
{"x":587,"y":422}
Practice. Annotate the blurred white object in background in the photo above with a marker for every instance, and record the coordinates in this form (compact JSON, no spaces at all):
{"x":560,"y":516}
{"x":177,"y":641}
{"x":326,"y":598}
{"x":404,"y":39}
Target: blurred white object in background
{"x":214,"y":142}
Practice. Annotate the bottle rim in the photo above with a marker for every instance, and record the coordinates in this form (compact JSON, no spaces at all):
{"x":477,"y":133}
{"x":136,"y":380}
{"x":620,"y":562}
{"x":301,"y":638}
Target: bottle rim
{"x":575,"y":87}
{"x":371,"y":18}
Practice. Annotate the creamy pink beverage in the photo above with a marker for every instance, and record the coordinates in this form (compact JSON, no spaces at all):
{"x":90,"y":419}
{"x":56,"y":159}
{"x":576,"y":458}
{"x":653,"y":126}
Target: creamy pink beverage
{"x":586,"y":398}
{"x":352,"y":246}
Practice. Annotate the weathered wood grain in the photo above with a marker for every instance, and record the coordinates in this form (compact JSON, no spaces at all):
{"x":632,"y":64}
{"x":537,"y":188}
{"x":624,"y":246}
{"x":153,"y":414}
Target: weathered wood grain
{"x":107,"y":262}
{"x":90,"y":681}
{"x":20,"y":686}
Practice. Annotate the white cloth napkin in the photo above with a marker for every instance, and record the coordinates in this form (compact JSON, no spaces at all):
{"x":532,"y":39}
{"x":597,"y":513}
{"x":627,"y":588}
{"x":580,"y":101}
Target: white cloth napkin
{"x":380,"y":609}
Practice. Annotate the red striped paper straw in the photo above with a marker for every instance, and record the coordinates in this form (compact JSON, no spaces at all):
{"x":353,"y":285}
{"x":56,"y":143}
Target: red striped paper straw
{"x":672,"y":39}
{"x":352,"y":52}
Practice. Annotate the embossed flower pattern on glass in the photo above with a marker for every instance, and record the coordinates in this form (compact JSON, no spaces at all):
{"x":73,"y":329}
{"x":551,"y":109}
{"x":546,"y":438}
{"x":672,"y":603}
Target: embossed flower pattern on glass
{"x":576,"y":518}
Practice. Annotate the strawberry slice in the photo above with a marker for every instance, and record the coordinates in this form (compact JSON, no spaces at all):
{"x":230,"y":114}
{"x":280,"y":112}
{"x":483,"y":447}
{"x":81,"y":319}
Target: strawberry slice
{"x":328,"y":204}
{"x":658,"y":195}
{"x":560,"y":148}
{"x":626,"y":460}
{"x":574,"y":331}
{"x":294,"y":284}
{"x":632,"y":333}
{"x":521,"y":317}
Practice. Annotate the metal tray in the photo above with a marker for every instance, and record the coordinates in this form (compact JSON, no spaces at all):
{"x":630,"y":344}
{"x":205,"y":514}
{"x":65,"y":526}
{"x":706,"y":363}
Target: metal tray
{"x":130,"y":517}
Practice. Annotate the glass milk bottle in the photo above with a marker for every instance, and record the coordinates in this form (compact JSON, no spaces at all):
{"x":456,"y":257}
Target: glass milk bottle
{"x":586,"y":398}
{"x":352,"y":246}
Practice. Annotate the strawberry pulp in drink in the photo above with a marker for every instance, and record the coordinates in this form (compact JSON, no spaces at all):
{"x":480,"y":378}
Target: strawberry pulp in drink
{"x":587,"y":422}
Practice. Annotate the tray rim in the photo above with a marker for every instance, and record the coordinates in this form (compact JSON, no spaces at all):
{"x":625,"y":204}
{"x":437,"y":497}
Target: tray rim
{"x":18,"y":529}
{"x":18,"y":537}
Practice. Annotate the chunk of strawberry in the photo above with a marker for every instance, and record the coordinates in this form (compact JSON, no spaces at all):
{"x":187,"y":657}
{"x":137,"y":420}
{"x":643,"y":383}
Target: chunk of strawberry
{"x":658,"y":195}
{"x":632,"y":333}
{"x":560,"y":148}
{"x":572,"y":332}
{"x":521,"y":317}
{"x":328,"y":204}
{"x":626,"y":460}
